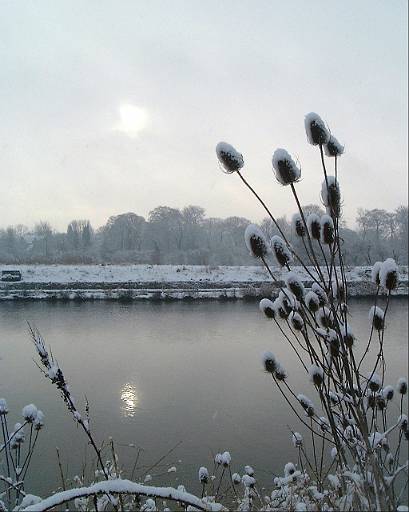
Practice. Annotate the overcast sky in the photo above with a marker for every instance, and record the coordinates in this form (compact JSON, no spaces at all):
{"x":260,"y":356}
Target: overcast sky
{"x":109,"y":107}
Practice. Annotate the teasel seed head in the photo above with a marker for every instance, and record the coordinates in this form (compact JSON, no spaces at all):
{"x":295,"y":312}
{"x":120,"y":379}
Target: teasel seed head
{"x":316,"y":130}
{"x":319,"y":291}
{"x":269,"y":362}
{"x":267,"y":307}
{"x":316,"y":375}
{"x":256,"y":241}
{"x":376,"y":318}
{"x":375,"y":273}
{"x":402,"y":386}
{"x":314,"y":226}
{"x":298,"y":225}
{"x":230,"y":160}
{"x":327,"y":230}
{"x":333,"y":148}
{"x":312,"y":301}
{"x":374,"y":382}
{"x":285,"y":169}
{"x":331,"y":196}
{"x":281,"y":251}
{"x":389,"y":274}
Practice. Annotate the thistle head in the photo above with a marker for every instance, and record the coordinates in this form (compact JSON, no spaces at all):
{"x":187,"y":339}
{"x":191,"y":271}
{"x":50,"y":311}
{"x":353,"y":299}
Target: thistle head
{"x":314,"y":226}
{"x":285,"y":169}
{"x":256,"y":241}
{"x":30,"y":413}
{"x":230,"y":160}
{"x":333,"y":148}
{"x":389,"y":274}
{"x":281,"y":251}
{"x":316,"y":130}
{"x":347,"y":336}
{"x":298,"y":225}
{"x":280,"y":373}
{"x":324,"y":317}
{"x":3,"y":407}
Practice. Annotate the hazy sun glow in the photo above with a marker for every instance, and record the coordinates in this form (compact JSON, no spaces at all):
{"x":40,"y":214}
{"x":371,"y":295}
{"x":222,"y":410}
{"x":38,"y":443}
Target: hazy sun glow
{"x":132,"y":119}
{"x":129,"y":399}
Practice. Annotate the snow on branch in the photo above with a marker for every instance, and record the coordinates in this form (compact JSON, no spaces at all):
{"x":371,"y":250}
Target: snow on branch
{"x":119,"y":486}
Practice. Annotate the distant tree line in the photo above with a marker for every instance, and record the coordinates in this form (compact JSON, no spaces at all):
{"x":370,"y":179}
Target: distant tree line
{"x":187,"y":236}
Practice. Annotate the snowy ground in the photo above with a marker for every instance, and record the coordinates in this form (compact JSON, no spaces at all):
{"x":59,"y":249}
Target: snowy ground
{"x":160,"y":281}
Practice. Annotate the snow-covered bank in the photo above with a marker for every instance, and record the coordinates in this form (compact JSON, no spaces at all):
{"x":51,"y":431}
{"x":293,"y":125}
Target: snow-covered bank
{"x":162,"y":282}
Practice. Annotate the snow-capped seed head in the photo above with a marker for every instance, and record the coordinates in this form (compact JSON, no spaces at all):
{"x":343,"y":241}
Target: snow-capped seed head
{"x":333,"y":148}
{"x":249,"y":470}
{"x":281,"y":251}
{"x":375,"y":273}
{"x":256,"y":241}
{"x":327,"y":230}
{"x":389,"y":274}
{"x":324,"y":424}
{"x":376,"y":318}
{"x":294,"y":284}
{"x":388,"y":393}
{"x":316,"y":375}
{"x":296,"y":321}
{"x":402,"y":386}
{"x":307,"y":405}
{"x":280,"y":373}
{"x":39,"y":421}
{"x":288,"y":300}
{"x":347,"y":335}
{"x":374,"y":382}
{"x":230,"y":160}
{"x":226,"y":459}
{"x":203,"y":475}
{"x":236,"y":478}
{"x":298,"y":225}
{"x":317,"y":132}
{"x":331,"y":196}
{"x":3,"y":407}
{"x":289,"y":469}
{"x":403,"y":421}
{"x":319,"y":291}
{"x":297,"y":439}
{"x":338,"y":289}
{"x":248,"y":481}
{"x":312,"y":301}
{"x":314,"y":226}
{"x":267,"y":307}
{"x":324,"y":317}
{"x":380,"y":402}
{"x":218,"y":459}
{"x":269,"y":362}
{"x":29,"y":413}
{"x":285,"y":169}
{"x":279,"y":309}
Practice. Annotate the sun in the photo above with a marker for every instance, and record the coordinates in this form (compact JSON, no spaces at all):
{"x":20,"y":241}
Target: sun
{"x":132,"y":119}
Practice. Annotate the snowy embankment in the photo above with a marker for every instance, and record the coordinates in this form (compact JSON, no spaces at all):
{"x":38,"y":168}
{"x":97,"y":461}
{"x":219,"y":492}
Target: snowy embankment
{"x":161,"y":282}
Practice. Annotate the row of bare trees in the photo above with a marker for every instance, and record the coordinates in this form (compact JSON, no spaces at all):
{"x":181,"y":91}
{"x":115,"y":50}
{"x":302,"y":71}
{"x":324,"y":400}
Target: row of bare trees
{"x":187,"y":236}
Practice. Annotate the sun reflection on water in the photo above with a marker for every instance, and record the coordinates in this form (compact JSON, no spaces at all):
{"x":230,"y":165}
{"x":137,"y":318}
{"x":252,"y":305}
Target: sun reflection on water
{"x":129,"y":400}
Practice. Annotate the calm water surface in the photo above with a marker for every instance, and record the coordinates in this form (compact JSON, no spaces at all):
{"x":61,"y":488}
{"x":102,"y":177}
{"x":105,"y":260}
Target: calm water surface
{"x":156,"y":374}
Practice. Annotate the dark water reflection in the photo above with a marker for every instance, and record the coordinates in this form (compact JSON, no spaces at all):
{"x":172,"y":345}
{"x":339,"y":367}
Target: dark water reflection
{"x":156,"y":374}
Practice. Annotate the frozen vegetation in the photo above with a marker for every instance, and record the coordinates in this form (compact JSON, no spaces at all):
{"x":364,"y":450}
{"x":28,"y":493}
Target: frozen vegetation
{"x":354,"y":456}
